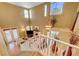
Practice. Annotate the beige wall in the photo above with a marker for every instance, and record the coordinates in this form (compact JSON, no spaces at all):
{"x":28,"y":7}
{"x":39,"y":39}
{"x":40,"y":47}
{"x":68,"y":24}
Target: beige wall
{"x":11,"y":16}
{"x":77,"y":25}
{"x":38,"y":18}
{"x":78,"y":7}
{"x":76,"y":28}
{"x":67,"y":18}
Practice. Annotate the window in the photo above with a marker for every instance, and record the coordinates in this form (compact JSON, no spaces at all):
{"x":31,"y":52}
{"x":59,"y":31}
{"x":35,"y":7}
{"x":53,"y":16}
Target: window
{"x":15,"y":34}
{"x":8,"y":35}
{"x":29,"y":28}
{"x":45,"y":10}
{"x":56,"y":8}
{"x":30,"y":12}
{"x":26,"y":15}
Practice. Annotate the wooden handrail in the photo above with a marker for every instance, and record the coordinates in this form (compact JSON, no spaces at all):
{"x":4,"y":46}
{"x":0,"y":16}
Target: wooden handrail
{"x":73,"y":46}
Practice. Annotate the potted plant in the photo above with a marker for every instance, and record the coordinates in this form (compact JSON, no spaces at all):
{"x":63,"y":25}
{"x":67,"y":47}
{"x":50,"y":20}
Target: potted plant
{"x":53,"y":21}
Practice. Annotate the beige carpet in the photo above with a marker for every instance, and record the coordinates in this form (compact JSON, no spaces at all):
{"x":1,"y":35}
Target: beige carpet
{"x":30,"y":53}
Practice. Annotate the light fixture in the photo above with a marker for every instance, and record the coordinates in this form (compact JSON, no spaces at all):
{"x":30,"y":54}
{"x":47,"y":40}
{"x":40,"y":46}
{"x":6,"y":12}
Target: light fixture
{"x":47,"y":27}
{"x":22,"y":29}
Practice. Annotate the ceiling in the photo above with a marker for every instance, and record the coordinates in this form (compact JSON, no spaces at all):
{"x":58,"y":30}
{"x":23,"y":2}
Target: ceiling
{"x":26,"y":4}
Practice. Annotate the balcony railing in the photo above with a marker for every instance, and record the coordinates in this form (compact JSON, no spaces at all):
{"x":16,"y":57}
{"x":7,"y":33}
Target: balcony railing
{"x":52,"y":47}
{"x":49,"y":46}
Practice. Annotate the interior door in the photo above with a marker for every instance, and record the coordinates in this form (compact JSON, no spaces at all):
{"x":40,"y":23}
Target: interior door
{"x":10,"y":36}
{"x":3,"y":48}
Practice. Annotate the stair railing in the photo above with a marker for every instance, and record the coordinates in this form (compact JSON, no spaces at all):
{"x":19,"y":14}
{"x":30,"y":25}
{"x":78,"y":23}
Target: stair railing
{"x":69,"y":48}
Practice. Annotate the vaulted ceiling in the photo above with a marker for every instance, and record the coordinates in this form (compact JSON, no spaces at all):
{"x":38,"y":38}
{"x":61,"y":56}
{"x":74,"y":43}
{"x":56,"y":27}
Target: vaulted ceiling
{"x":26,"y":4}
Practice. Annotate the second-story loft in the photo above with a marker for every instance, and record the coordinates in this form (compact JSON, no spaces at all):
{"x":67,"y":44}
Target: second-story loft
{"x":39,"y":28}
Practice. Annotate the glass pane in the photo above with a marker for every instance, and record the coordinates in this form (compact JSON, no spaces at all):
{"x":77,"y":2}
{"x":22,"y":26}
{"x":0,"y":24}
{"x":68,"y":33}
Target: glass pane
{"x":45,"y":10}
{"x":11,"y":45}
{"x":8,"y":35}
{"x":60,"y":4}
{"x":15,"y":34}
{"x":26,"y":13}
{"x":56,"y":7}
{"x":53,"y":5}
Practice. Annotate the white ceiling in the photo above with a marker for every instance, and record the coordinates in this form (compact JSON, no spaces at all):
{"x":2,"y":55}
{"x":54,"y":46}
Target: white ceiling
{"x":26,"y":4}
